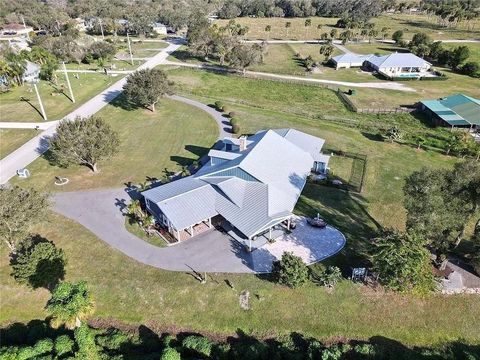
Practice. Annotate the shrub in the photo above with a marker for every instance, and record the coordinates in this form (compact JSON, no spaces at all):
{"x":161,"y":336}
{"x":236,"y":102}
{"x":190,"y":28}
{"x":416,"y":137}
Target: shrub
{"x":63,"y":345}
{"x":198,"y":344}
{"x":232,"y":114}
{"x":43,"y":346}
{"x":233,"y":121}
{"x":221,"y":351}
{"x":365,"y":349}
{"x":235,"y":129}
{"x":112,"y":340}
{"x":330,"y":276}
{"x":290,"y":270}
{"x":471,"y":68}
{"x":219,"y":105}
{"x":170,"y":354}
{"x":168,"y":340}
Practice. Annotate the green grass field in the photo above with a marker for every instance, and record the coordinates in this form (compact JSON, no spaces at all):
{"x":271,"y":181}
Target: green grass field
{"x":134,"y":293}
{"x":409,"y":23}
{"x":150,"y":142}
{"x":13,"y":108}
{"x":473,"y":47}
{"x":11,"y":139}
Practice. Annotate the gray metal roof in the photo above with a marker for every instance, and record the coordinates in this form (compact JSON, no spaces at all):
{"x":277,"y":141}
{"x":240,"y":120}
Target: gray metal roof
{"x":349,"y":58}
{"x":397,"y":60}
{"x":260,"y":186}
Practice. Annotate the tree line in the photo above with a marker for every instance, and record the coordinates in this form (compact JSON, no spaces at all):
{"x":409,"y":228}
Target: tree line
{"x":457,"y":58}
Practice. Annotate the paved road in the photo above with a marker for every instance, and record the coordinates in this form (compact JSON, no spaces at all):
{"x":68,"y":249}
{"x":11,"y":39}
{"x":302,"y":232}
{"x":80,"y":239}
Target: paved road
{"x":32,"y":149}
{"x":28,"y":125}
{"x":391,"y":85}
{"x":100,"y":211}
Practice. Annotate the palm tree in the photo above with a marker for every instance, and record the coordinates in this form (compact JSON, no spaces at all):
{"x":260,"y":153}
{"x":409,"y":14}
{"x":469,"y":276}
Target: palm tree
{"x":134,"y":209}
{"x":326,"y":50}
{"x":268,"y":28}
{"x":70,"y":304}
{"x":308,"y":23}
{"x":333,"y":33}
{"x":288,"y":25}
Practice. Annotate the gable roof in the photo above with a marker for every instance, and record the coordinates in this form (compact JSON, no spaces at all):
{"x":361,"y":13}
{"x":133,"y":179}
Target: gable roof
{"x":259,"y":185}
{"x":457,"y":109}
{"x":397,"y":60}
{"x":350,"y":58}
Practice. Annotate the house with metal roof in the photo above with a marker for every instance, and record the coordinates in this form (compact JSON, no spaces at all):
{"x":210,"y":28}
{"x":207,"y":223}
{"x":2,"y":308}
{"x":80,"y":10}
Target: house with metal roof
{"x":349,"y":60}
{"x":399,"y":65}
{"x":249,"y":185}
{"x":456,"y":110}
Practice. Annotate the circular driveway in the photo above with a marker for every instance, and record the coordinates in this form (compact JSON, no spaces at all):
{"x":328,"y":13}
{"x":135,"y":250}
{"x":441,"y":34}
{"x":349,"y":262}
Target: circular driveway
{"x":101,"y":212}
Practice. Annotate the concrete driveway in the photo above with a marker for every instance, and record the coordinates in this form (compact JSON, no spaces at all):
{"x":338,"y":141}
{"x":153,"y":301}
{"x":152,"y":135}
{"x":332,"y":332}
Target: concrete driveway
{"x":101,"y":212}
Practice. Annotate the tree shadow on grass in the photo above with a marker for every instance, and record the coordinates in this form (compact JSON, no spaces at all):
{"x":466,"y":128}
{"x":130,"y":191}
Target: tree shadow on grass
{"x":373,"y":137}
{"x":121,"y":101}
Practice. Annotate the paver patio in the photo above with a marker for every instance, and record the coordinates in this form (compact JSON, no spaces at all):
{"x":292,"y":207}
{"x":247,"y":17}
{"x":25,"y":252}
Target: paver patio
{"x":101,"y":212}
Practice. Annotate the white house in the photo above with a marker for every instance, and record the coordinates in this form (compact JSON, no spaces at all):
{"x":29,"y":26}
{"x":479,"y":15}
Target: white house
{"x":403,"y":65}
{"x":159,"y":28}
{"x":250,"y":184}
{"x":349,"y":60}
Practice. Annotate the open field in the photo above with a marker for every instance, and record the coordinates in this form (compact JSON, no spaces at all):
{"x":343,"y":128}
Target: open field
{"x":11,"y":139}
{"x":409,"y":23}
{"x":57,"y":105}
{"x":473,"y":47}
{"x":174,"y":136}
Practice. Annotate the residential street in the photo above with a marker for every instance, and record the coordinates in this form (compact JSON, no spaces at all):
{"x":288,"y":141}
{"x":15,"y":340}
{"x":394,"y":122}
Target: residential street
{"x":31,"y":150}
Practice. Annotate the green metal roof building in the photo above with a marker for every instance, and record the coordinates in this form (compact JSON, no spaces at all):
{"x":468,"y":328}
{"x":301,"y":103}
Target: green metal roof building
{"x":456,"y":110}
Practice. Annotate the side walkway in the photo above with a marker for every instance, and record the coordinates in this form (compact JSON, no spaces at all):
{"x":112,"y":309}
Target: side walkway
{"x":35,"y":147}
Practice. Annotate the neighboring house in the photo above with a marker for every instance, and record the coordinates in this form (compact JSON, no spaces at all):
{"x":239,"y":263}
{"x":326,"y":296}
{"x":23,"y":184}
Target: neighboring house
{"x":349,"y":60}
{"x":159,"y":28}
{"x":32,"y":73}
{"x":456,"y":110}
{"x":80,"y":24}
{"x":398,"y":65}
{"x":15,"y":29}
{"x":249,"y":185}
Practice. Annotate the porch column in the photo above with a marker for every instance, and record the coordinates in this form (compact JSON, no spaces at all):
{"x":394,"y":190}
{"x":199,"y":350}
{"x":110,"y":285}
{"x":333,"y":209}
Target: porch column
{"x":288,"y":224}
{"x":270,"y":234}
{"x":209,"y":222}
{"x":178,"y":235}
{"x":250,"y":244}
{"x":191,"y":231}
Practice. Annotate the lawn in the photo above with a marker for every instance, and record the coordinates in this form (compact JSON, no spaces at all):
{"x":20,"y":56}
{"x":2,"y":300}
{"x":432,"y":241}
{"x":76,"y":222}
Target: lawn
{"x":56,"y":105}
{"x":119,"y":65}
{"x":175,"y":135}
{"x":134,"y":293}
{"x":409,"y":23}
{"x":11,"y":139}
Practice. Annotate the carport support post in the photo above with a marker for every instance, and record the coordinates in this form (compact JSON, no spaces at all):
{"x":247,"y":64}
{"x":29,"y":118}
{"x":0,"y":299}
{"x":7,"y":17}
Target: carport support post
{"x":191,"y":231}
{"x":270,"y":234}
{"x":209,"y":222}
{"x":250,"y":244}
{"x":288,"y":224}
{"x":178,"y":236}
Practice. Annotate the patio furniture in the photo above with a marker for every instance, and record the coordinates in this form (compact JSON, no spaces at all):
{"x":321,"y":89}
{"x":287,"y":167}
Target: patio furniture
{"x":23,"y":173}
{"x":61,"y":180}
{"x":359,"y":274}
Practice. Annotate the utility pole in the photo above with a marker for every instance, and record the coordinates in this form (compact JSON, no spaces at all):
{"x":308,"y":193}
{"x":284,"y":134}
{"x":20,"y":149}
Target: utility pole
{"x":130,"y":49}
{"x":101,"y":28}
{"x":68,"y":82}
{"x":25,"y":27}
{"x":44,"y":115}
